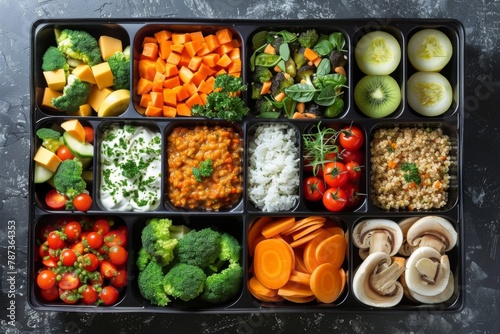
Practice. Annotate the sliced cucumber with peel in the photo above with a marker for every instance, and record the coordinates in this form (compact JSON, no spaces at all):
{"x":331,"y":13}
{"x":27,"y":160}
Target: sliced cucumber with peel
{"x":41,"y":174}
{"x":78,"y":148}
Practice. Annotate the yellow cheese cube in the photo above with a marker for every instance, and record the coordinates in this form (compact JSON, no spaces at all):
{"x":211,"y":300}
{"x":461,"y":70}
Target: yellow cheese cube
{"x":48,"y":95}
{"x":84,"y":73}
{"x":103,"y":75}
{"x":75,"y":128}
{"x":56,"y":80}
{"x":47,"y":159}
{"x":109,"y":45}
{"x":97,"y":96}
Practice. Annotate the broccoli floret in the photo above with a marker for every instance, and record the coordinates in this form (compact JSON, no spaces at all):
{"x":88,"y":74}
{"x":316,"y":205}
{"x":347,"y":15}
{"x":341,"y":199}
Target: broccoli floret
{"x":290,"y":67}
{"x":120,"y":67}
{"x":262,"y":74}
{"x":308,"y":38}
{"x":199,"y":248}
{"x":68,"y":179}
{"x":305,"y":74}
{"x":143,"y":258}
{"x":264,"y":105}
{"x":256,"y":89}
{"x":230,"y":248}
{"x":157,"y":241}
{"x":280,"y":82}
{"x":51,"y":139}
{"x":299,"y":58}
{"x":78,"y":44}
{"x":75,"y":93}
{"x":53,"y":59}
{"x":150,"y":282}
{"x":184,"y":281}
{"x":220,"y":287}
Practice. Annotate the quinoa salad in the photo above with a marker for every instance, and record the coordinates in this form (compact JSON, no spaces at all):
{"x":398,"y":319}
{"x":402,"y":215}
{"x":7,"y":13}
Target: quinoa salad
{"x":410,"y":168}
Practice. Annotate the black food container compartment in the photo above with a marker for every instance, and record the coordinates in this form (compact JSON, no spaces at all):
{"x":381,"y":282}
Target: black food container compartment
{"x":239,"y":217}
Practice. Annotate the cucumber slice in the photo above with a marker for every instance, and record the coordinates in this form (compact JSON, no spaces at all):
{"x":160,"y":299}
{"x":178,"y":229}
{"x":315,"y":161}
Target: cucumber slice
{"x":41,"y":174}
{"x":78,"y":148}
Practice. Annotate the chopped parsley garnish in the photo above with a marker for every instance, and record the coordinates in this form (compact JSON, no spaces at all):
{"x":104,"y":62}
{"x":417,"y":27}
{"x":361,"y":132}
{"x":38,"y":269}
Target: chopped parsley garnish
{"x":205,"y":169}
{"x":412,"y":174}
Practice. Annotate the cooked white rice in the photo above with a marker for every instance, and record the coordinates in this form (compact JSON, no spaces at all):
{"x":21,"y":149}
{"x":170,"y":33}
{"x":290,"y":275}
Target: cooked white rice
{"x":273,"y":174}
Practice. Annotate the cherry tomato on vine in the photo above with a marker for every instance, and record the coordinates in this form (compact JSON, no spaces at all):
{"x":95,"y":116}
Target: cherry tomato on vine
{"x":73,"y":230}
{"x":335,"y":199}
{"x":351,"y":138}
{"x":353,"y":170}
{"x":108,"y":295}
{"x":82,"y":202}
{"x":68,"y":257}
{"x":64,"y":153}
{"x":314,"y":188}
{"x":353,"y":197}
{"x":46,"y":279}
{"x":335,"y":174}
{"x":348,"y":156}
{"x":54,"y":200}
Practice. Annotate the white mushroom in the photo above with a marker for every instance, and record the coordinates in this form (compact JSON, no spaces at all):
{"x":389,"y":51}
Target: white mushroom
{"x":375,"y":283}
{"x":432,"y":231}
{"x":405,"y":224}
{"x":427,"y":271}
{"x":377,"y":235}
{"x":439,"y":298}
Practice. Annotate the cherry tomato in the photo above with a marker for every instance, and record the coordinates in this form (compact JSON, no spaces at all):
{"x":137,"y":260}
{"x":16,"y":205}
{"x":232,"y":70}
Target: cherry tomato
{"x":78,"y":248}
{"x":102,"y":226}
{"x":352,"y":192}
{"x":68,"y":296}
{"x":50,"y":263}
{"x":54,"y":200}
{"x":120,"y":280}
{"x":124,"y":230}
{"x":43,"y":250}
{"x":314,"y":188}
{"x":90,"y":262}
{"x":51,"y":294}
{"x":97,"y":279}
{"x":82,"y":202}
{"x":64,"y":153}
{"x":351,"y":138}
{"x":348,"y":156}
{"x":73,"y":230}
{"x":117,"y":255}
{"x":109,"y":295}
{"x":108,"y":269}
{"x":44,"y":233}
{"x":89,"y":295}
{"x":55,"y":240}
{"x":68,"y":257}
{"x":46,"y":279}
{"x":335,"y":199}
{"x":69,"y":281}
{"x":115,"y":238}
{"x":89,"y":134}
{"x":335,"y":174}
{"x":94,"y":240}
{"x":353,"y":170}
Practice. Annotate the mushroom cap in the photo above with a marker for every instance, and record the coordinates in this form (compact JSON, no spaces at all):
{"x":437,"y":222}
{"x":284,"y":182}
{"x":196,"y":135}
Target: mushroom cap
{"x":405,"y":225}
{"x":365,"y":230}
{"x":362,"y":287}
{"x":424,"y":262}
{"x":438,"y":229}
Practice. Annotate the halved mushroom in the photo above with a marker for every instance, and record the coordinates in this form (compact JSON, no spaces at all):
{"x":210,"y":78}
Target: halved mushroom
{"x":377,"y":235}
{"x":432,"y":231}
{"x":375,"y":283}
{"x":427,"y":271}
{"x":439,"y":298}
{"x":405,"y":224}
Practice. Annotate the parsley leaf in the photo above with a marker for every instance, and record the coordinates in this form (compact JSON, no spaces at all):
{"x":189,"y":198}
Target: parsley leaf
{"x":412,"y":174}
{"x":205,"y":169}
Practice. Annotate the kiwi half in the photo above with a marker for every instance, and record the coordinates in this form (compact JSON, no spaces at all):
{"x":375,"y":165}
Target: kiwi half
{"x":377,"y":96}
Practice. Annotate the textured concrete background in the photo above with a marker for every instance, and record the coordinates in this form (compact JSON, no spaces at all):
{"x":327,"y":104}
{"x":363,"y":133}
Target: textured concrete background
{"x":481,"y":187}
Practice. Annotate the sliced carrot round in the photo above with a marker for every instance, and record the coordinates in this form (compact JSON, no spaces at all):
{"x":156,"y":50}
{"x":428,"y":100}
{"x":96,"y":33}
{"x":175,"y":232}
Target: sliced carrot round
{"x":258,"y":290}
{"x":273,"y":262}
{"x":276,"y":227}
{"x":331,"y":250}
{"x":326,"y":282}
{"x":300,"y":300}
{"x":300,"y":277}
{"x":292,"y":289}
{"x":309,"y":255}
{"x":255,"y":230}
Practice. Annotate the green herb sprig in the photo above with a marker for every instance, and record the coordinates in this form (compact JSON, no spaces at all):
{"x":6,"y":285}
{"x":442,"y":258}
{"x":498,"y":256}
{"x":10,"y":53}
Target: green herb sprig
{"x":205,"y":169}
{"x":412,"y":173}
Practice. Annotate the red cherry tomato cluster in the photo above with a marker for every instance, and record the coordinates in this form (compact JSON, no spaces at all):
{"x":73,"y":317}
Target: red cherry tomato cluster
{"x":82,"y":261}
{"x":333,"y":166}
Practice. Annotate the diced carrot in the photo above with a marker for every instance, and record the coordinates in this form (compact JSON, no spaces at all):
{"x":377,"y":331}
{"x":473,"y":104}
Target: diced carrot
{"x":277,"y":69}
{"x":221,"y":71}
{"x":203,"y":97}
{"x":269,"y":49}
{"x":309,"y":54}
{"x":157,"y":99}
{"x":144,"y":86}
{"x":224,"y":35}
{"x":225,"y":49}
{"x":340,"y":70}
{"x":211,"y":59}
{"x":280,"y":96}
{"x":169,"y":111}
{"x":317,"y":61}
{"x":191,"y":88}
{"x":153,"y":111}
{"x":162,"y":35}
{"x":165,"y":49}
{"x":177,"y":47}
{"x":198,"y":77}
{"x":160,"y":65}
{"x":174,"y":58}
{"x":169,"y":97}
{"x":196,"y":36}
{"x":171,"y":82}
{"x":266,"y":87}
{"x":205,"y":70}
{"x":194,"y":63}
{"x":236,"y":74}
{"x":212,"y":42}
{"x":300,"y":107}
{"x":185,"y":74}
{"x":183,"y":109}
{"x":149,"y":39}
{"x":171,"y":70}
{"x":181,"y":93}
{"x":234,"y":67}
{"x":192,"y":47}
{"x":180,"y":38}
{"x":157,"y":86}
{"x":205,"y":87}
{"x":234,"y":53}
{"x":236,"y":43}
{"x":204,"y":50}
{"x":147,"y":69}
{"x":194,"y":100}
{"x":145,"y":100}
{"x":224,"y":61}
{"x":185,"y":58}
{"x":159,"y":76}
{"x":150,"y":50}
{"x":391,"y":164}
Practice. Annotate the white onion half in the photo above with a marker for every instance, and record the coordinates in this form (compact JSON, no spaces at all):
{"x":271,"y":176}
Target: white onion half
{"x":429,"y":93}
{"x":429,"y":50}
{"x":378,"y":53}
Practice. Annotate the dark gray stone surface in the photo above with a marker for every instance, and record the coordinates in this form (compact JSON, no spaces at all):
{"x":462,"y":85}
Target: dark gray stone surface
{"x":481,"y":186}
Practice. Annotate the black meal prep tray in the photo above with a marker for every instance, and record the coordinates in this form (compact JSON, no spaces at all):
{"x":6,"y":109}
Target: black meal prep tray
{"x":237,"y":219}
